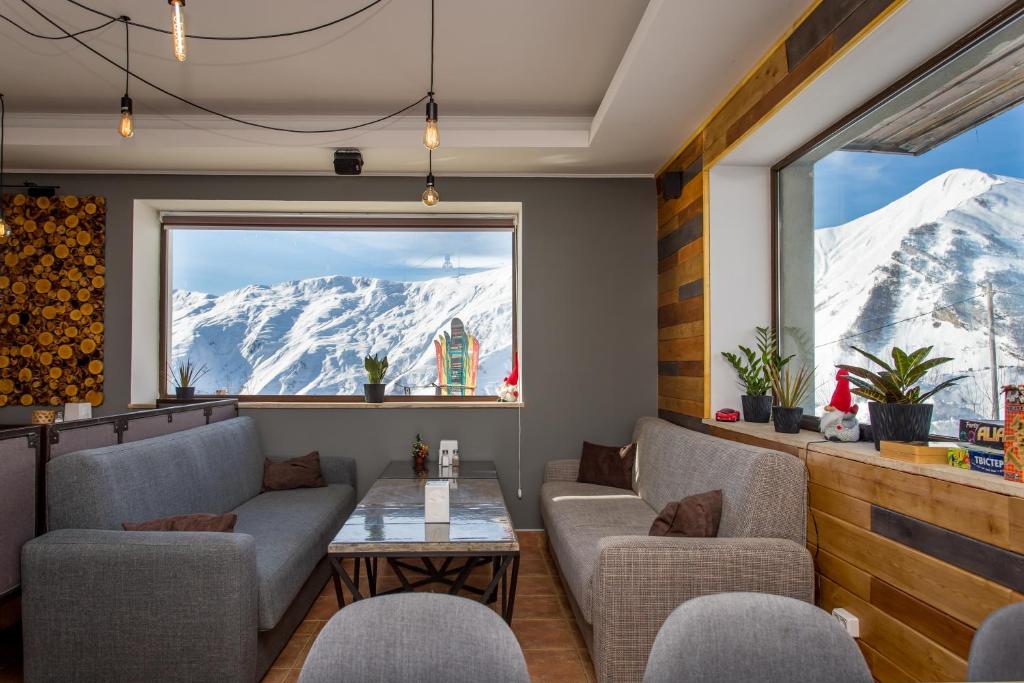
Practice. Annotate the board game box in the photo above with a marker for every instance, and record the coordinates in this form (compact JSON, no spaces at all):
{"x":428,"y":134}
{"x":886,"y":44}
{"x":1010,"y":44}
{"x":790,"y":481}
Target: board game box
{"x":968,"y":456}
{"x":987,"y":433}
{"x":1013,"y":435}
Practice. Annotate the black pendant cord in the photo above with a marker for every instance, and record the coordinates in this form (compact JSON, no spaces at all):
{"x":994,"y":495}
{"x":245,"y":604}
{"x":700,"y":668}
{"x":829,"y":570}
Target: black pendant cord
{"x":3,"y":129}
{"x":431,"y":48}
{"x":127,"y":56}
{"x":208,"y":110}
{"x":265,"y":36}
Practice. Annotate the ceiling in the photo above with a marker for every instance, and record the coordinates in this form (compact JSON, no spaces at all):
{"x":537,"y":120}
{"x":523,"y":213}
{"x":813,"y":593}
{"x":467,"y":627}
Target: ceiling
{"x":534,"y":87}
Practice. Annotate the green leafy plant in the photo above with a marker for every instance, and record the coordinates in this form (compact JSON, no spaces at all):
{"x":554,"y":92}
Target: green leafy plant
{"x":755,"y":368}
{"x":376,"y":368}
{"x":186,"y":373}
{"x":791,"y":388}
{"x":897,"y":383}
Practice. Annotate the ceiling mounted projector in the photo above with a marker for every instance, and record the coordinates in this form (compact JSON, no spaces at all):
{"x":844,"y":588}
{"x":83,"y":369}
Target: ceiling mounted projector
{"x":348,"y":162}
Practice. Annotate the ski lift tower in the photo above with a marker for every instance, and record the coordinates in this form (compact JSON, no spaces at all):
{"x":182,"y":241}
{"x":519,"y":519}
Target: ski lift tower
{"x":447,"y":265}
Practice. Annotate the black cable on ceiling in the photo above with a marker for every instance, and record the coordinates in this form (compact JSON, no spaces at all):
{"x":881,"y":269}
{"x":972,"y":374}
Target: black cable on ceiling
{"x":208,"y":110}
{"x":21,"y":28}
{"x":266,"y":36}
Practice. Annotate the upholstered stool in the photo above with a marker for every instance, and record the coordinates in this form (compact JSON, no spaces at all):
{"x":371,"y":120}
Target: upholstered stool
{"x":753,"y":637}
{"x":415,"y":637}
{"x":996,"y":653}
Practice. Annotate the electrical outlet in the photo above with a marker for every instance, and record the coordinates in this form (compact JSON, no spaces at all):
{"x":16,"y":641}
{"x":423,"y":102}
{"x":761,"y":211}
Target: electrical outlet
{"x":848,"y":621}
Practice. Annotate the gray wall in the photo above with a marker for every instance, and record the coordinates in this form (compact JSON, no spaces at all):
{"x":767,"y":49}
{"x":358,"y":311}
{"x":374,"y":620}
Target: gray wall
{"x":588,"y":314}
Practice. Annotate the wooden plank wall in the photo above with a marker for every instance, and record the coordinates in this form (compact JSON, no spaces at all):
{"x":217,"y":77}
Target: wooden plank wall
{"x":919,"y":597}
{"x":826,"y":30}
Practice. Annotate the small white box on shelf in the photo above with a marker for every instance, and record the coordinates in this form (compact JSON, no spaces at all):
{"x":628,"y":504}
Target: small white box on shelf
{"x":77,"y":411}
{"x":435,"y":494}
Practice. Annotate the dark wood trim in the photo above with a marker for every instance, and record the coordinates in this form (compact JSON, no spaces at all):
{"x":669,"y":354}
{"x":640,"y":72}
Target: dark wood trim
{"x":992,"y":562}
{"x":695,"y":424}
{"x":337,"y":222}
{"x":122,"y":420}
{"x":426,"y":222}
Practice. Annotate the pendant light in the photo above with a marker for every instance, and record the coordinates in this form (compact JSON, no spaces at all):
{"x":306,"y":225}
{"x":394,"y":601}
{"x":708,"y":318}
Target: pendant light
{"x":430,"y":195}
{"x":431,"y":133}
{"x":3,"y":112}
{"x":126,"y":127}
{"x":178,"y":28}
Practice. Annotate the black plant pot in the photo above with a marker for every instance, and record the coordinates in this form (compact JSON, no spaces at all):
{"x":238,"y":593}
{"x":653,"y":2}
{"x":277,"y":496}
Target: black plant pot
{"x":900,"y":421}
{"x":374,"y":392}
{"x":756,"y":408}
{"x":185,"y":392}
{"x":787,"y":420}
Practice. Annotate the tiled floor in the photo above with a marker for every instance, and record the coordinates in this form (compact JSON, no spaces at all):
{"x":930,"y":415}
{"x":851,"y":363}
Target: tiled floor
{"x":543,"y":622}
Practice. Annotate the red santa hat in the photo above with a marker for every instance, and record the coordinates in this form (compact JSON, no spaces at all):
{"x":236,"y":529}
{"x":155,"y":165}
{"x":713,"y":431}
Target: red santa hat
{"x":842,"y":399}
{"x":513,"y":377}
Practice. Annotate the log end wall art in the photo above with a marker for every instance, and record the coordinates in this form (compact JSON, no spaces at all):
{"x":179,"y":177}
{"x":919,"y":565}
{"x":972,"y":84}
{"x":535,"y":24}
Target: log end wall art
{"x":51,"y":300}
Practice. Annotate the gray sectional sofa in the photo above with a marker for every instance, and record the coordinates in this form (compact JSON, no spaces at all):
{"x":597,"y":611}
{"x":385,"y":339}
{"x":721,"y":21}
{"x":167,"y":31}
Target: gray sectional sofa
{"x":101,"y":604}
{"x":623,"y":584}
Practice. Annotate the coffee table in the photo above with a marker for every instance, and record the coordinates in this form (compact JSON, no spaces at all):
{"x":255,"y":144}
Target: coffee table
{"x":388,"y":524}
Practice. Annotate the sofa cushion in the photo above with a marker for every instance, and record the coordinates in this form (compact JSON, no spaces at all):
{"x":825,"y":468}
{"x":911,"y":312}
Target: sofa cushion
{"x":576,"y":516}
{"x":212,"y":468}
{"x":764,"y":492}
{"x":607,"y":465}
{"x":292,"y":530}
{"x":694,"y":517}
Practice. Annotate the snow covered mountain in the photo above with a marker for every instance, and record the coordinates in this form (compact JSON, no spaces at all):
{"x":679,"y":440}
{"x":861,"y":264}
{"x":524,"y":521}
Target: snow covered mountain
{"x":910,"y":274}
{"x":310,"y":336}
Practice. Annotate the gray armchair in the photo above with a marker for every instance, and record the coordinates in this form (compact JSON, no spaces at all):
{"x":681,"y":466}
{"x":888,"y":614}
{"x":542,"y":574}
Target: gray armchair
{"x":415,"y":637}
{"x":753,"y":637}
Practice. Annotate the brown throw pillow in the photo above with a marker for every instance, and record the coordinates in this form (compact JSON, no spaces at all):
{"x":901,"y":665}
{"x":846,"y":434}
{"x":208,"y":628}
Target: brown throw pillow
{"x":695,"y":516}
{"x":196,"y":522}
{"x":297,"y":473}
{"x":607,"y":465}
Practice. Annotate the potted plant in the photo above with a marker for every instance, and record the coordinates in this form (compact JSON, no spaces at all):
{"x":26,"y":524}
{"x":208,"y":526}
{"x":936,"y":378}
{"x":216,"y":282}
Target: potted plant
{"x":896,"y":403}
{"x":376,"y":368}
{"x":185,"y":375}
{"x":790,"y":390}
{"x":754,"y":374}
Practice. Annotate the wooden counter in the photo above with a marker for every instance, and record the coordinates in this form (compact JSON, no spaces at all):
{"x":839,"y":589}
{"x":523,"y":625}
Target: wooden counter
{"x":920,"y":553}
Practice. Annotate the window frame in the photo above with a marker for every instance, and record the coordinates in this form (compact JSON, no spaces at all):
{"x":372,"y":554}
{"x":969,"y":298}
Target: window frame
{"x":1012,"y":13}
{"x":332,"y":222}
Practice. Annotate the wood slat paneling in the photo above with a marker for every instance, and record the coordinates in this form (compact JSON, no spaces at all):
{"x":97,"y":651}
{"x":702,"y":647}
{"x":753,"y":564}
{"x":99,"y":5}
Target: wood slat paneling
{"x":980,"y":514}
{"x":953,"y":635}
{"x":683,"y":296}
{"x":907,"y":649}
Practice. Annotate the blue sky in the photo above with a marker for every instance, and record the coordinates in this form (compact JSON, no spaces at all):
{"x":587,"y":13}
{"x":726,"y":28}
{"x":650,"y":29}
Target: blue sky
{"x":217,"y":261}
{"x":850,"y":184}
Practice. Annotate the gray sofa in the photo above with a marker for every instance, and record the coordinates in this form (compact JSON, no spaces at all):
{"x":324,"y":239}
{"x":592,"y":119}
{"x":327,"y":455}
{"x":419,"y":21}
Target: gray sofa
{"x":101,"y":604}
{"x":623,"y":584}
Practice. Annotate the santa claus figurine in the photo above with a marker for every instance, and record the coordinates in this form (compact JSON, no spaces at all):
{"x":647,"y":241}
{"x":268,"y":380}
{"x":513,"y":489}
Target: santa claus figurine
{"x":839,"y":423}
{"x":508,"y":392}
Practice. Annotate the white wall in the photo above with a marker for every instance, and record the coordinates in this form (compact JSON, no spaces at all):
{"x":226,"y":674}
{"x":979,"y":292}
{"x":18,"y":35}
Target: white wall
{"x":740,"y":287}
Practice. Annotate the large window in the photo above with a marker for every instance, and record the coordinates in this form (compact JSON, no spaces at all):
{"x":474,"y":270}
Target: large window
{"x":904,"y":226}
{"x":290,"y":306}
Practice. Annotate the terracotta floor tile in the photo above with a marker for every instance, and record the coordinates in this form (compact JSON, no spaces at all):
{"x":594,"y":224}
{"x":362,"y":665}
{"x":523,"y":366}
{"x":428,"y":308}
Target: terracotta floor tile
{"x":588,"y":664}
{"x":534,"y":564}
{"x":537,"y":585}
{"x":310,"y":627}
{"x":290,"y":654}
{"x":531,"y":539}
{"x":293,"y":676}
{"x":552,"y":666}
{"x":537,"y":607}
{"x":544,"y":634}
{"x":323,"y":608}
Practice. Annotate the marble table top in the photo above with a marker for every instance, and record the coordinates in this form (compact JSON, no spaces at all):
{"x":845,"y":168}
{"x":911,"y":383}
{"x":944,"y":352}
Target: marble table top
{"x":389,"y":521}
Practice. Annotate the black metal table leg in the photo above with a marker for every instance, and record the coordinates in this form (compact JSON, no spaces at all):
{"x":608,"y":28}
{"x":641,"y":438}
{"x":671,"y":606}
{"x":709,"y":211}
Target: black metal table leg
{"x":338,"y":593}
{"x":371,"y":575}
{"x":512,"y":589}
{"x":353,"y":588}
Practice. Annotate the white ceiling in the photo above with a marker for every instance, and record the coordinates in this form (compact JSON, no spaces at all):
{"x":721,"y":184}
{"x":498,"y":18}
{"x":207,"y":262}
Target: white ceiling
{"x":531,"y":87}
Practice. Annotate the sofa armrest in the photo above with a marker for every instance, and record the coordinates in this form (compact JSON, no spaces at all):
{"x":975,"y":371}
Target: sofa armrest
{"x":159,"y":606}
{"x":335,"y":469}
{"x":640,"y":580}
{"x":561,"y":470}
